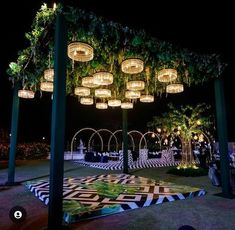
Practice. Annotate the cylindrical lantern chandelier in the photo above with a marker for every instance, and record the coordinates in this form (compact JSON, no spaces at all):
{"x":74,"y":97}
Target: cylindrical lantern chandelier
{"x":80,"y":51}
{"x":103,"y":78}
{"x":101,"y":105}
{"x":82,"y":91}
{"x":132,"y":94}
{"x":49,"y":74}
{"x":114,"y":103}
{"x":127,"y":105}
{"x":89,"y":82}
{"x":135,"y":85}
{"x":46,"y":86}
{"x":86,"y":101}
{"x":27,"y":94}
{"x":132,"y":66}
{"x":167,"y":75}
{"x":147,"y":98}
{"x":175,"y":88}
{"x":103,"y":93}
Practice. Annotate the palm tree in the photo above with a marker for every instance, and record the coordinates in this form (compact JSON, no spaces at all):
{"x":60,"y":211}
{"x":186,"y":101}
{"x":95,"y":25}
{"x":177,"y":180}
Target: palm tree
{"x":186,"y":122}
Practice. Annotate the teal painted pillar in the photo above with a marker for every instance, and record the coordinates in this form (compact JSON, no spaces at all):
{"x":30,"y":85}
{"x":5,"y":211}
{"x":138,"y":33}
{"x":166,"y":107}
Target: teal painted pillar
{"x":55,"y":212}
{"x":14,"y":134}
{"x":222,"y":136}
{"x":124,"y":138}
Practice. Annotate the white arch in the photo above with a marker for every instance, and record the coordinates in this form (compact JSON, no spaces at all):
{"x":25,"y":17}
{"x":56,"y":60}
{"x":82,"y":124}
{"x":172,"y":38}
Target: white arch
{"x":79,"y":131}
{"x":98,"y":131}
{"x":149,"y":132}
{"x":141,"y":134}
{"x":120,"y":130}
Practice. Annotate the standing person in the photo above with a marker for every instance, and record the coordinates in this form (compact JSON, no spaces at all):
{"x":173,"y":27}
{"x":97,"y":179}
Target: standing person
{"x":232,"y":157}
{"x":196,"y":153}
{"x":203,"y":157}
{"x":214,"y":174}
{"x":207,"y":155}
{"x":232,"y":170}
{"x":199,"y":155}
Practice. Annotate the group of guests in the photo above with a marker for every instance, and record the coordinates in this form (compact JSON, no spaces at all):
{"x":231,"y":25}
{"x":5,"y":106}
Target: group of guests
{"x":202,"y":154}
{"x":214,"y":168}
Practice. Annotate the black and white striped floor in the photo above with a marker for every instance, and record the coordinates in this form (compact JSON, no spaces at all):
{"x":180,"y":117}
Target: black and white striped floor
{"x":147,"y":192}
{"x":118,"y":165}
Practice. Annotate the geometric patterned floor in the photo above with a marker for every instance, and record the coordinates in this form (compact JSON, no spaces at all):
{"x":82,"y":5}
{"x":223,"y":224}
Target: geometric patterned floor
{"x":117,"y":165}
{"x":84,"y":198}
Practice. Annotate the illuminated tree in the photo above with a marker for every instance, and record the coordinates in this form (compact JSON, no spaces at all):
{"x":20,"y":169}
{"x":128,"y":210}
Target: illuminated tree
{"x":185,"y":122}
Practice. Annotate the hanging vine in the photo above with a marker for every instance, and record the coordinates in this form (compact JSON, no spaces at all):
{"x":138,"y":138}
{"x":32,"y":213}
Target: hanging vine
{"x":112,"y":44}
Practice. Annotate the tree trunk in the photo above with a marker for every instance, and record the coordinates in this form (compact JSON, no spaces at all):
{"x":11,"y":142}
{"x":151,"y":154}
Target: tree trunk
{"x":187,"y":156}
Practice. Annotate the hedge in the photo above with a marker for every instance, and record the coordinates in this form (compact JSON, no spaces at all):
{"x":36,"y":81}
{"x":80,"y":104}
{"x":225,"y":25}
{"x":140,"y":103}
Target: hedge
{"x":26,"y":151}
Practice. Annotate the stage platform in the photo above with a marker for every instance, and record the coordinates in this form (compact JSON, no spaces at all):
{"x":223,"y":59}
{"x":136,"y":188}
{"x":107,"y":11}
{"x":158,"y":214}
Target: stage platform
{"x":96,"y":196}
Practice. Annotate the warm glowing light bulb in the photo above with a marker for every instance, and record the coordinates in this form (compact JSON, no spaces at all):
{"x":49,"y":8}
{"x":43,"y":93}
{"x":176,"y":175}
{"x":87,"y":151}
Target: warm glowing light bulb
{"x":159,"y":130}
{"x":54,"y":6}
{"x":198,"y":122}
{"x":201,"y":138}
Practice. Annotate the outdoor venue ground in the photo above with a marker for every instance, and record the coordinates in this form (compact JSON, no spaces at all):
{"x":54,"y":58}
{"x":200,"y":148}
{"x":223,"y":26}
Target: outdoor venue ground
{"x":206,"y":212}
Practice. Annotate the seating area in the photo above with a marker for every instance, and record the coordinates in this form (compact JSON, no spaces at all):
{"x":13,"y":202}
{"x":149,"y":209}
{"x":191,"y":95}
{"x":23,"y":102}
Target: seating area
{"x":96,"y":157}
{"x":139,"y":164}
{"x":114,"y":161}
{"x":143,"y":155}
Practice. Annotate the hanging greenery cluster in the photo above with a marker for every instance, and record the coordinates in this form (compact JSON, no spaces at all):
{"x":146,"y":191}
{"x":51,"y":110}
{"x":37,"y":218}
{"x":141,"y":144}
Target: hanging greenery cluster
{"x":112,"y":44}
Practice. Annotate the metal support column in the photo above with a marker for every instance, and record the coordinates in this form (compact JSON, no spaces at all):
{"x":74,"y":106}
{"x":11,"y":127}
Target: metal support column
{"x":58,"y":127}
{"x":14,"y":134}
{"x":125,"y":140}
{"x":222,"y":137}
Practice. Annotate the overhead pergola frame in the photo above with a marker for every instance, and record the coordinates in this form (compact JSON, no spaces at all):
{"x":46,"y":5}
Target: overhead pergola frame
{"x":112,"y":44}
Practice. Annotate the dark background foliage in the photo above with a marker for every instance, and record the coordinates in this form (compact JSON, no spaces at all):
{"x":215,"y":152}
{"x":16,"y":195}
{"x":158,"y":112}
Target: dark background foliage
{"x":26,"y":151}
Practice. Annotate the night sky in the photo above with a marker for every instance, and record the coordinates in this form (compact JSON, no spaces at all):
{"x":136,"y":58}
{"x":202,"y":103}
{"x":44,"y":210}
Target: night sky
{"x":201,"y":28}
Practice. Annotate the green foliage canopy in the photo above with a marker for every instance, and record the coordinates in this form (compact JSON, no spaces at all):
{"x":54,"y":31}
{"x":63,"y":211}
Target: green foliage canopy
{"x":112,"y":44}
{"x":187,"y":119}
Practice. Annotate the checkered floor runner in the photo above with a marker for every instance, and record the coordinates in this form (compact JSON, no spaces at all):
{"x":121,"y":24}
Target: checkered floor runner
{"x":117,"y":165}
{"x":83,"y":198}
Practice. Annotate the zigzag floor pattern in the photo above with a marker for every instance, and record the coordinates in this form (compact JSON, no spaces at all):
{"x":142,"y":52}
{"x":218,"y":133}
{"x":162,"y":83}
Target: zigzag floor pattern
{"x":117,"y":165}
{"x":138,"y":192}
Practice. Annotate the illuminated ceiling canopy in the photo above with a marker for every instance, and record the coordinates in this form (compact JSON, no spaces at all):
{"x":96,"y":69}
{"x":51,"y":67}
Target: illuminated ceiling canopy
{"x":105,"y":55}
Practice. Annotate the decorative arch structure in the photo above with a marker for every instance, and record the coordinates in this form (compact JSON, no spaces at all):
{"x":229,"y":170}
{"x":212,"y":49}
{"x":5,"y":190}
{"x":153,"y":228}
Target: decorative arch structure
{"x":117,"y":131}
{"x":106,"y":130}
{"x":143,"y":137}
{"x":81,"y":130}
{"x":141,"y":134}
